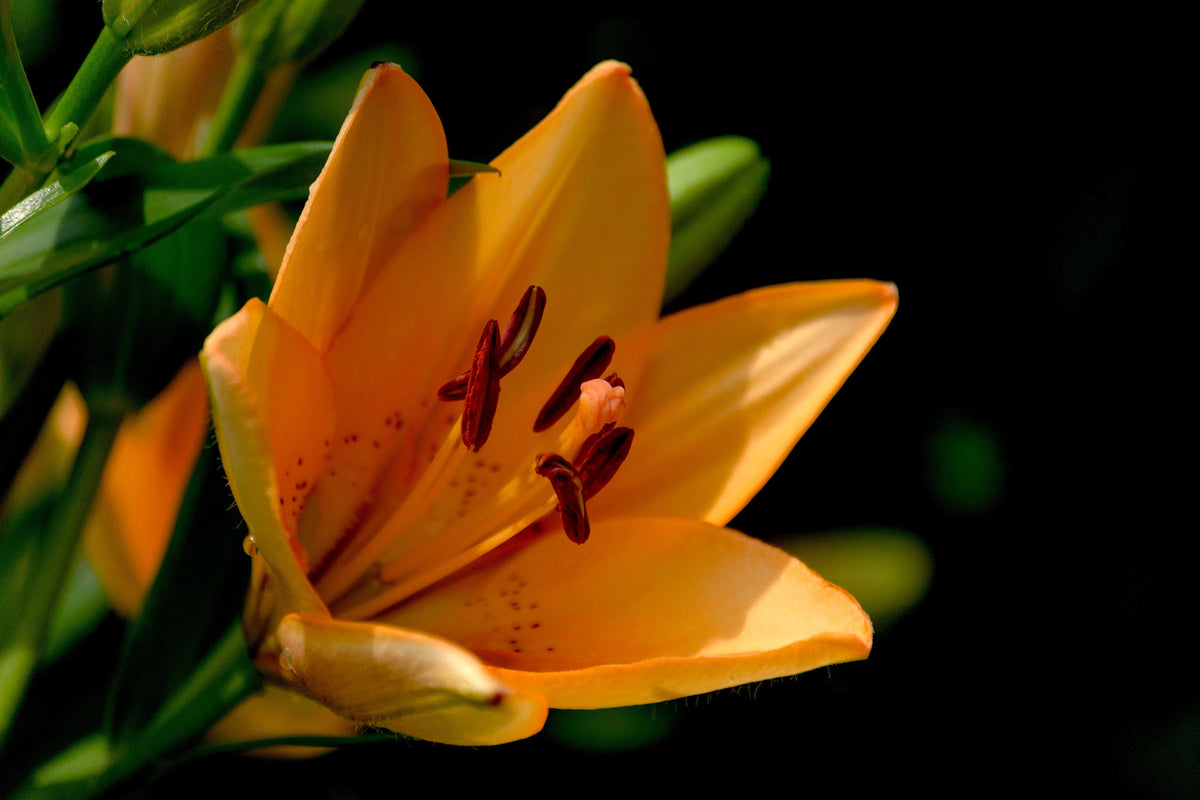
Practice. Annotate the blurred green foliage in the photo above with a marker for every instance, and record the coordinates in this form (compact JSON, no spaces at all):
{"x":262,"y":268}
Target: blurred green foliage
{"x":887,"y":570}
{"x":965,"y":466}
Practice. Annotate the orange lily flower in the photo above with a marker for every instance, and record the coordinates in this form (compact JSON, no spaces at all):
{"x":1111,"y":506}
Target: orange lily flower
{"x":448,"y":562}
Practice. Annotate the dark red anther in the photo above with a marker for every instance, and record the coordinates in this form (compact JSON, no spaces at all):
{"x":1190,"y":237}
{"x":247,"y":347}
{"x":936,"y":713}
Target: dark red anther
{"x":600,"y":457}
{"x":483,"y":388}
{"x":522,"y":326}
{"x":589,"y":444}
{"x":568,"y":488}
{"x":455,"y":388}
{"x":614,"y":380}
{"x":589,"y":366}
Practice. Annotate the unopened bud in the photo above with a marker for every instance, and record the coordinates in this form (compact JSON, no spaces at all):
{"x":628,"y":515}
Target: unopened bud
{"x":151,"y":27}
{"x":284,"y":31}
{"x":715,"y":186}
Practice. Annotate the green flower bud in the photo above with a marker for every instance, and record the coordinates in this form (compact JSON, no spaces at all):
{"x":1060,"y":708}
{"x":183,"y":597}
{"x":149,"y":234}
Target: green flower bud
{"x":151,"y":27}
{"x":715,"y":186}
{"x":284,"y":31}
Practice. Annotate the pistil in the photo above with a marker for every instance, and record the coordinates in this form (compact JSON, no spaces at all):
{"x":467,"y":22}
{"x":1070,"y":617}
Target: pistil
{"x":596,"y":459}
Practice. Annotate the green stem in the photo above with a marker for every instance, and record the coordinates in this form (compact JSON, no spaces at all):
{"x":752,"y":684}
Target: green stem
{"x":23,"y":641}
{"x":245,"y":84}
{"x":80,"y":99}
{"x":105,"y":60}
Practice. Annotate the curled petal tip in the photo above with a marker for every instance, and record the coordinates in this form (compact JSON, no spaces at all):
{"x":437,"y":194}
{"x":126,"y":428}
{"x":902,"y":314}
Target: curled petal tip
{"x":405,"y":681}
{"x":610,"y":67}
{"x":889,"y":293}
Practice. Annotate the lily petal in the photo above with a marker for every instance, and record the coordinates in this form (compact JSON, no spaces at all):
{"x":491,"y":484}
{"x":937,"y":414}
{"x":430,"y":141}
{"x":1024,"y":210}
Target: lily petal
{"x":405,"y":681}
{"x":276,"y":712}
{"x":128,"y":529}
{"x":581,"y":209}
{"x":649,"y":609}
{"x":730,"y":387}
{"x":389,"y":166}
{"x":272,"y":408}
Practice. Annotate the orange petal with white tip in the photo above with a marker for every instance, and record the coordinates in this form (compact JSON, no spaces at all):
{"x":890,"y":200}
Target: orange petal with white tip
{"x":406,"y":681}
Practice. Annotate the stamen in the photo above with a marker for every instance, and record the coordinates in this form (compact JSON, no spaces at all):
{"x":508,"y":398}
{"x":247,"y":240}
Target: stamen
{"x":600,"y":457}
{"x":590,"y":365}
{"x":568,"y":488}
{"x":515,"y":342}
{"x":483,"y":388}
{"x":522,"y":326}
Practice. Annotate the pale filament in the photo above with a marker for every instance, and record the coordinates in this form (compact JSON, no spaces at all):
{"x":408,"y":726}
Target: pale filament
{"x":345,"y":571}
{"x":527,"y":497}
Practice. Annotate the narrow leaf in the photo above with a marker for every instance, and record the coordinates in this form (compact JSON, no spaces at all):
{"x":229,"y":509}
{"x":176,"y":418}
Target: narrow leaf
{"x":460,"y":169}
{"x":463,"y":171}
{"x":202,"y":576}
{"x":51,"y":194}
{"x":21,"y":133}
{"x":140,"y":198}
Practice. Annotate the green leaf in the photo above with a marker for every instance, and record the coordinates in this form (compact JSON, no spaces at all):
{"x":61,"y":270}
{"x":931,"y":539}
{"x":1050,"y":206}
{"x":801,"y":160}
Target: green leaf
{"x":463,"y":171}
{"x":80,"y":610}
{"x":223,"y":677}
{"x":141,"y":197}
{"x":81,"y":761}
{"x":22,"y":140}
{"x":24,"y":624}
{"x":51,"y":194}
{"x":466,"y":169}
{"x":196,"y":595}
{"x":715,"y":186}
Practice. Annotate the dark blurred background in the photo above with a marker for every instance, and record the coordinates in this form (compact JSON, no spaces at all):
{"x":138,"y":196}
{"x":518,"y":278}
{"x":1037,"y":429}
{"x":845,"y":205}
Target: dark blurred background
{"x":1013,"y":176}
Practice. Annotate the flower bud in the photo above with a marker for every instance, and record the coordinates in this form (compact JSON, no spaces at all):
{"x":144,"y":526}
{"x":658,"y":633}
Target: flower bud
{"x":715,"y":186}
{"x":284,"y":31}
{"x":151,"y":27}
